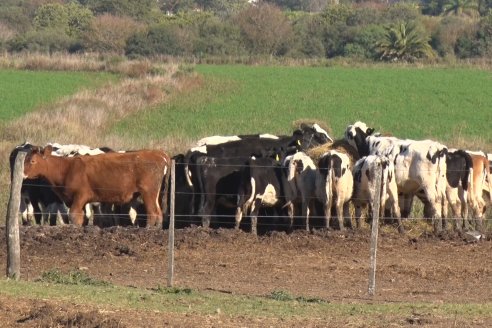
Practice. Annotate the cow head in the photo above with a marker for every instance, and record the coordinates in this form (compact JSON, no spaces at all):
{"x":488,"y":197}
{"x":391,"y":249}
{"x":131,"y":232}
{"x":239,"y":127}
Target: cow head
{"x":35,"y":162}
{"x":356,"y":135}
{"x":310,"y":136}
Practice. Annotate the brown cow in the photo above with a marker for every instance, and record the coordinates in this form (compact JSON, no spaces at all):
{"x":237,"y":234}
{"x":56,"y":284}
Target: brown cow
{"x":479,"y":179}
{"x":111,"y":178}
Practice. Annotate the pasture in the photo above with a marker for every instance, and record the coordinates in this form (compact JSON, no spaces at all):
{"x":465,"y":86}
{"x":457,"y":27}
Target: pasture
{"x":449,"y":105}
{"x":231,"y":278}
{"x":24,"y":91}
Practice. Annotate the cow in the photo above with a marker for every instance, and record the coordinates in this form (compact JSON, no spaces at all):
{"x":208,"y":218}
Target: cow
{"x":419,"y":166}
{"x":110,"y":177}
{"x":365,"y":186}
{"x":39,"y":204}
{"x":215,"y":181}
{"x":480,"y":177}
{"x":459,"y":170}
{"x":335,"y":186}
{"x":262,"y":184}
{"x":301,"y":178}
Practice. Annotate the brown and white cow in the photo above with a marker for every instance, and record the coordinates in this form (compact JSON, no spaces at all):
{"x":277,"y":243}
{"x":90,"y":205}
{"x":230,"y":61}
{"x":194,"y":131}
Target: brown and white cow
{"x":111,"y":177}
{"x":336,"y":184}
{"x":480,"y":180}
{"x":365,"y":186}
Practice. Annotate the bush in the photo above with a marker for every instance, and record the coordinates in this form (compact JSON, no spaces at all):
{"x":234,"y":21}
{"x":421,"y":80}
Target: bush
{"x":45,"y":41}
{"x":449,"y":31}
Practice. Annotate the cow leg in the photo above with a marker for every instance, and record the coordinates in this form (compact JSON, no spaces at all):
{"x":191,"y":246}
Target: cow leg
{"x":346,"y":215}
{"x":77,"y":212}
{"x":254,"y":217}
{"x":305,"y":213}
{"x":239,"y":217}
{"x":154,"y":213}
{"x":358,"y":215}
{"x":405,"y":202}
{"x":340,"y":212}
{"x":291,"y":214}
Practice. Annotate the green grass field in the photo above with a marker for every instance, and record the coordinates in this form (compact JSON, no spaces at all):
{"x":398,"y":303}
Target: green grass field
{"x":23,"y":91}
{"x":443,"y":104}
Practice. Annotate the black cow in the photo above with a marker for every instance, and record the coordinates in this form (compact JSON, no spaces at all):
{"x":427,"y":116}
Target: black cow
{"x":215,"y":181}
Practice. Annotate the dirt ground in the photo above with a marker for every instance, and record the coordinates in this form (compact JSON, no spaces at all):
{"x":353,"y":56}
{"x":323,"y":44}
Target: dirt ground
{"x":329,"y":265}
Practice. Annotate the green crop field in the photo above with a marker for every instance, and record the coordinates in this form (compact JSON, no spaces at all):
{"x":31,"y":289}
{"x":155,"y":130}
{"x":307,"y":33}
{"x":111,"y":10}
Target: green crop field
{"x":23,"y":91}
{"x":438,"y":103}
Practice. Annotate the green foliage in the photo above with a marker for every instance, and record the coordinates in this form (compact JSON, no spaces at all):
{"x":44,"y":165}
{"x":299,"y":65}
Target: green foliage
{"x":404,"y":42}
{"x":460,"y":7}
{"x":401,"y":12}
{"x":79,"y":18}
{"x":51,"y":16}
{"x":47,"y":40}
{"x":140,"y":10}
{"x":336,"y":14}
{"x":75,"y":277}
{"x":173,"y":290}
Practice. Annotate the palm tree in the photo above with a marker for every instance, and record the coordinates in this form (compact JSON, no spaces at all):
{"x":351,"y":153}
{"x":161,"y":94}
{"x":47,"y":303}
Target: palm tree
{"x":460,"y":7}
{"x":404,"y":42}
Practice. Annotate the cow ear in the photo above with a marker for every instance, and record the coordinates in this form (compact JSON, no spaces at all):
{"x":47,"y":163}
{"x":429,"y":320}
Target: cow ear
{"x":47,"y":151}
{"x":370,"y":131}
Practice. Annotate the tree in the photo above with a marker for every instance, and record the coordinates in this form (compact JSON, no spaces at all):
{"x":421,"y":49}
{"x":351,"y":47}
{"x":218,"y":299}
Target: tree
{"x":108,"y":33}
{"x":460,"y":8}
{"x":404,"y":42}
{"x":264,"y":28}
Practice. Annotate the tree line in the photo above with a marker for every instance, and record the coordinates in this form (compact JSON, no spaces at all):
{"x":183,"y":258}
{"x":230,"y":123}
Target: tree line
{"x":364,"y":30}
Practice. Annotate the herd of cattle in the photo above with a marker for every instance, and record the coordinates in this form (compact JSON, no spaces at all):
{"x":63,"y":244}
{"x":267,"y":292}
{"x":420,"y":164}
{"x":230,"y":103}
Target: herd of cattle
{"x":278,"y":179}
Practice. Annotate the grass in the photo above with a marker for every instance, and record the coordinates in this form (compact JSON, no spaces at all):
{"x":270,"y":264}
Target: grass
{"x":438,"y":103}
{"x":207,"y":302}
{"x":24,"y":91}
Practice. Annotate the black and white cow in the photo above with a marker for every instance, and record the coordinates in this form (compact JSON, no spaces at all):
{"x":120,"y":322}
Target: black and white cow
{"x":459,"y":172}
{"x":419,"y":166}
{"x":335,"y":186}
{"x":262,"y":184}
{"x":365,"y":186}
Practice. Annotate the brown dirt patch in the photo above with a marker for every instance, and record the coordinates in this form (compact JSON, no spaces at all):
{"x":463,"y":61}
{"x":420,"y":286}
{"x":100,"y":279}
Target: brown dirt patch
{"x":329,"y":265}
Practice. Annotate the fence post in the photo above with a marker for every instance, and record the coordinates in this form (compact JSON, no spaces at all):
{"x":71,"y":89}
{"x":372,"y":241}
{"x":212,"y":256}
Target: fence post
{"x":12,"y":229}
{"x":170,"y":247}
{"x":376,"y":210}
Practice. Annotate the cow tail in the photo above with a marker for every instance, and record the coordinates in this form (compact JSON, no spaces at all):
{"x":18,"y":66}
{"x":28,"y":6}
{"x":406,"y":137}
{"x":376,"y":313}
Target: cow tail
{"x":384,"y":185}
{"x":489,"y":181}
{"x":165,"y":190}
{"x":329,"y":188}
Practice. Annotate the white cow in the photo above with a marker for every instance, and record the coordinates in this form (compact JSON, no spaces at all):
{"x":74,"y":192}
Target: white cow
{"x":301,"y":177}
{"x":365,"y":186}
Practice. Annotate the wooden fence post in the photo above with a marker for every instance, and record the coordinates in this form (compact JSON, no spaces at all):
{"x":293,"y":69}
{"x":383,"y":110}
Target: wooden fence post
{"x":12,"y":229}
{"x":376,"y":210}
{"x":170,"y":247}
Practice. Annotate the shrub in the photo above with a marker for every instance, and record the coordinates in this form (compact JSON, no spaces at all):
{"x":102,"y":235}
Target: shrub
{"x":45,"y":41}
{"x":265,"y":29}
{"x":449,"y":31}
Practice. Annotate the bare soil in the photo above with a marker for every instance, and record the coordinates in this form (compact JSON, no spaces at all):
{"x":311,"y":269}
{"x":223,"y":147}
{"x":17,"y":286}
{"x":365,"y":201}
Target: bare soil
{"x":328,"y":265}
